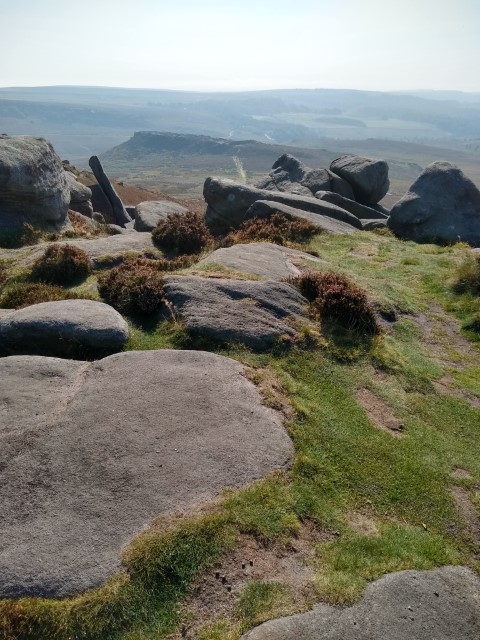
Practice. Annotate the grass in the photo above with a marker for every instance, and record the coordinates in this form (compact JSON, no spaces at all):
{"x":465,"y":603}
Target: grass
{"x":24,"y":294}
{"x":343,"y":463}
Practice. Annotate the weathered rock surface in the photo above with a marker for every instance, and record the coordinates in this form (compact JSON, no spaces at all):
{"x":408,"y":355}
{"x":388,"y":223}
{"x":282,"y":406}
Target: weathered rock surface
{"x":33,"y":186}
{"x":360,"y":210}
{"x":262,"y":259}
{"x":443,"y":604}
{"x":290,"y":175}
{"x":121,"y":217}
{"x":252,"y":312}
{"x":368,"y":178}
{"x":80,"y":196}
{"x":63,"y":328}
{"x":441,"y":205}
{"x":90,"y":453}
{"x":370,"y":225}
{"x":264,"y":208}
{"x":148,"y":214}
{"x":229,"y":201}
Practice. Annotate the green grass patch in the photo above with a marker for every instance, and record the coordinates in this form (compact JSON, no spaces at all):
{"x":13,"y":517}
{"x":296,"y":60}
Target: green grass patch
{"x":343,"y":462}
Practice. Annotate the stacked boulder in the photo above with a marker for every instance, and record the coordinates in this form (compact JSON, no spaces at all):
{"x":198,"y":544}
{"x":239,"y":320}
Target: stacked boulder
{"x":348,"y":192}
{"x":80,"y":196}
{"x":33,"y":184}
{"x":442,"y":205}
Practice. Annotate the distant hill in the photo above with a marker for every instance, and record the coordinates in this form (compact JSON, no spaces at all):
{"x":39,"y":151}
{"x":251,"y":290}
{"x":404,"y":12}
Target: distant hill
{"x":82,"y":121}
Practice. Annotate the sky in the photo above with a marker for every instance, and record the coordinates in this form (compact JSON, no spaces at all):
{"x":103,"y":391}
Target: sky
{"x":212,"y":45}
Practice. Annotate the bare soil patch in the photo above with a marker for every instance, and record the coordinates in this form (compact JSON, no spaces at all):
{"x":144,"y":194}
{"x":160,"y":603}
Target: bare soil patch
{"x":461,"y":474}
{"x":362,"y":524}
{"x":443,"y":338}
{"x":379,"y":413}
{"x":445,"y":386}
{"x":467,"y":513}
{"x":216,"y":593}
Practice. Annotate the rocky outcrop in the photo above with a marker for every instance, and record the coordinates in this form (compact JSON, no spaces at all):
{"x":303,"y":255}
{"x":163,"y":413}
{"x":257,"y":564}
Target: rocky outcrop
{"x":64,"y":328}
{"x":368,"y":178}
{"x":80,"y":196}
{"x":360,"y":210}
{"x":33,"y":186}
{"x":290,"y":175}
{"x":265,"y":208}
{"x":254,"y":313}
{"x":148,"y":214}
{"x":121,"y":217}
{"x":409,"y":605}
{"x":229,"y":201}
{"x":442,"y":205}
{"x":90,"y":453}
{"x":262,"y":259}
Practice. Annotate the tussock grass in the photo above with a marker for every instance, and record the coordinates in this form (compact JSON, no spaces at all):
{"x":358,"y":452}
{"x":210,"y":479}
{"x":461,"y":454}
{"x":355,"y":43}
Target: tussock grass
{"x":24,"y":294}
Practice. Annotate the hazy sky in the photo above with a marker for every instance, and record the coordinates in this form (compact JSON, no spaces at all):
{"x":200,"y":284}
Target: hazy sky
{"x":249,"y":44}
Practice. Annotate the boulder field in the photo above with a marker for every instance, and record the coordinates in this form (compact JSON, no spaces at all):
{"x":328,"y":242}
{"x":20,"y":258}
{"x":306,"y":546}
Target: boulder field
{"x":91,"y":453}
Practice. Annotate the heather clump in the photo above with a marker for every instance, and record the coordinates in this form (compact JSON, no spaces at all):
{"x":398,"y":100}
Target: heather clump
{"x":336,"y":299}
{"x":61,"y":264}
{"x":182,"y":233}
{"x":135,"y":286}
{"x":276,"y":228}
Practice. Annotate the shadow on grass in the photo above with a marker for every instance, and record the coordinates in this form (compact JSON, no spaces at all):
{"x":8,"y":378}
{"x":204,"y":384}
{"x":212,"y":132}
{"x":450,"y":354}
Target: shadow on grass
{"x":347,"y":342}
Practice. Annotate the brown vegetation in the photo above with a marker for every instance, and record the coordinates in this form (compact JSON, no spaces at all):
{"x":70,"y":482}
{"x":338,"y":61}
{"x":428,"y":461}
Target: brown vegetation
{"x":134,"y":286}
{"x":182,"y":233}
{"x":276,"y":228}
{"x":61,"y":264}
{"x":337,"y":299}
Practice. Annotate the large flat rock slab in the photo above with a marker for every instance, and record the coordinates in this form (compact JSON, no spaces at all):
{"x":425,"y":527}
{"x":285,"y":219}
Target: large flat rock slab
{"x":443,"y":604}
{"x":90,"y":453}
{"x":254,"y":313}
{"x":63,"y":328}
{"x":263,"y":259}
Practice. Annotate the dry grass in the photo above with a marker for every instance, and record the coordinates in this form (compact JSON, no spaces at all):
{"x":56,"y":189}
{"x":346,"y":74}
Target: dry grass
{"x":22,"y":294}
